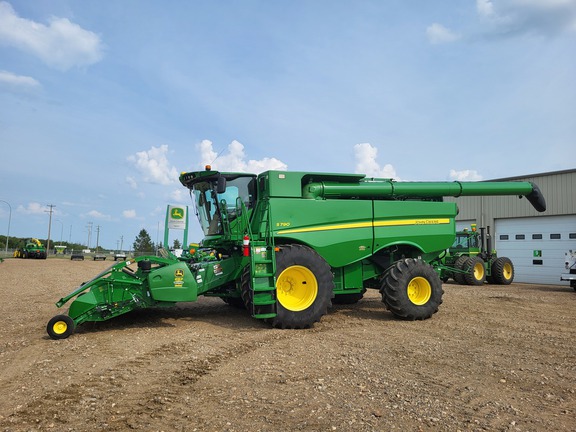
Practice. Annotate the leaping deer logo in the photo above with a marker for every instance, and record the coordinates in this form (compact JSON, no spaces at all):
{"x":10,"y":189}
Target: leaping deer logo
{"x":177,"y":213}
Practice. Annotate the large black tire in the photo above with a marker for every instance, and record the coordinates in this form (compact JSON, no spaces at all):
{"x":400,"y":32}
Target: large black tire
{"x":304,"y":286}
{"x":412,"y":290}
{"x":60,"y":327}
{"x":476,"y":271}
{"x":460,"y":264}
{"x":503,"y":271}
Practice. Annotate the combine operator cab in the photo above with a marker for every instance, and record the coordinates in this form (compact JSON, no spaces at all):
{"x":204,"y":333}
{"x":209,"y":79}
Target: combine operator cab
{"x":222,"y":202}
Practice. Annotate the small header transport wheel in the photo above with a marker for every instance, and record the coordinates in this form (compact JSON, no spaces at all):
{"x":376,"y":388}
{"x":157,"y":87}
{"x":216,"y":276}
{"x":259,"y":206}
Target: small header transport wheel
{"x":411,"y":289}
{"x":60,"y":327}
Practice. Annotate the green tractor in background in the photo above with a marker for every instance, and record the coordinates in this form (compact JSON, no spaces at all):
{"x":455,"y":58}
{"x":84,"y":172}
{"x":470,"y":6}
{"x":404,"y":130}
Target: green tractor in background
{"x":33,"y":249}
{"x":472,"y":261}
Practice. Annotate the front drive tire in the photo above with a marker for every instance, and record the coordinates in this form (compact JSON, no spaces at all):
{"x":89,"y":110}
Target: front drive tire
{"x":412,"y":290}
{"x":60,"y":327}
{"x":304,"y":286}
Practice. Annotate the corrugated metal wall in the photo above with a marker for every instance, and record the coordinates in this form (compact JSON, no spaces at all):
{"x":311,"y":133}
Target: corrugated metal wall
{"x":558,"y":188}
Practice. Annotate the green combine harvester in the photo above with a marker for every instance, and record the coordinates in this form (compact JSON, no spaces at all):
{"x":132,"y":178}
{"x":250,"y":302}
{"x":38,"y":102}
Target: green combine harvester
{"x":286,"y":245}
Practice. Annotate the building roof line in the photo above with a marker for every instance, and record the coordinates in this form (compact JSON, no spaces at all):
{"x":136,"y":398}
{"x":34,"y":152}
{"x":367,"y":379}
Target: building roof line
{"x":568,"y":171}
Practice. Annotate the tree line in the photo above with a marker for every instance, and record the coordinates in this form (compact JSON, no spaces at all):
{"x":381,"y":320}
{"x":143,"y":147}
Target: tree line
{"x":20,"y":242}
{"x":142,"y":244}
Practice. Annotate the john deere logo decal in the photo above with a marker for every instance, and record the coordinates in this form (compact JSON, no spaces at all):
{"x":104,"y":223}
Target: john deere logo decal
{"x":177,"y":213}
{"x":179,"y":273}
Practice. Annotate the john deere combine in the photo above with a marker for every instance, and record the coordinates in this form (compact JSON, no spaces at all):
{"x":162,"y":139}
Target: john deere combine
{"x":285,"y":245}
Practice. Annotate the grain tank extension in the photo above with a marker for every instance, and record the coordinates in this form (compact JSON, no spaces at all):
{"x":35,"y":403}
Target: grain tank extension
{"x":286,"y":245}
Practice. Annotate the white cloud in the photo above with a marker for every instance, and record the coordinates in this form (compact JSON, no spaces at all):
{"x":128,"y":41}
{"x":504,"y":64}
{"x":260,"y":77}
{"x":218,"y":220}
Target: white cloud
{"x":17,"y":81}
{"x":34,"y":208}
{"x":129,"y":214}
{"x":528,"y":16}
{"x":154,"y":167}
{"x":60,"y":44}
{"x":438,"y":34}
{"x":97,"y":215}
{"x":465,"y":175}
{"x":485,"y":7}
{"x":179,"y":196}
{"x":235,"y":160}
{"x":365,"y":155}
{"x":132,"y":182}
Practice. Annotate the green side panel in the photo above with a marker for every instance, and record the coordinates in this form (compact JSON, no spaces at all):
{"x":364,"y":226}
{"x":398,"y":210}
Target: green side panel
{"x":289,"y":184}
{"x":215,"y":274}
{"x":426,"y":225}
{"x":173,"y":283}
{"x":82,"y":304}
{"x":353,"y":276}
{"x":339,"y":230}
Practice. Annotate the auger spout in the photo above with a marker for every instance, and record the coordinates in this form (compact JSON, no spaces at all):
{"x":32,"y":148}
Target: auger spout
{"x":393,"y":190}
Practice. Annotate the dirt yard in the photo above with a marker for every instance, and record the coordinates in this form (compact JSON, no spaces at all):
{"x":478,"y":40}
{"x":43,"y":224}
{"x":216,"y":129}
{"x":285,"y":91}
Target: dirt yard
{"x":496,"y":358}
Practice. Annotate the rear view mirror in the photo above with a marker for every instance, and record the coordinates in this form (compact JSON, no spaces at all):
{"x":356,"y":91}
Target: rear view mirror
{"x":221,"y":186}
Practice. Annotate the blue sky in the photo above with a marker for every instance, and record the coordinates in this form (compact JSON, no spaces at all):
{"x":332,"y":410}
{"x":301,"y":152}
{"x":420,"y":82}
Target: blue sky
{"x":102,"y":104}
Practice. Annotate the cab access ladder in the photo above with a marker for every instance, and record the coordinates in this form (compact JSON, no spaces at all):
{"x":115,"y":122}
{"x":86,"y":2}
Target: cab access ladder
{"x":263,"y":269}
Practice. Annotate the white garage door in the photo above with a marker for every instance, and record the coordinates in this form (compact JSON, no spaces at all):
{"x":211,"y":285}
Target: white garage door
{"x":536,"y":246}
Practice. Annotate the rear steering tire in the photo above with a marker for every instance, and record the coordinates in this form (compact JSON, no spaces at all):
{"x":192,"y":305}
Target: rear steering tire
{"x":60,"y":327}
{"x":412,"y":290}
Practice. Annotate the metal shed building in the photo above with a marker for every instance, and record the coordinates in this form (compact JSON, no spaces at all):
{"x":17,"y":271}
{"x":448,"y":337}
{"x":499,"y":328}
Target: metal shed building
{"x":535,"y":242}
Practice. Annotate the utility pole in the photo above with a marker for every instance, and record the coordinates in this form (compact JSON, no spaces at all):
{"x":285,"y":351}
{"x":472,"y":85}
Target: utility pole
{"x":97,"y":236}
{"x":9,"y":220}
{"x":89,"y":226}
{"x":51,"y":206}
{"x":121,"y":243}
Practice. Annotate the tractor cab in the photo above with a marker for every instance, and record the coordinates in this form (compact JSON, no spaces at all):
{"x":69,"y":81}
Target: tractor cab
{"x":466,"y":241}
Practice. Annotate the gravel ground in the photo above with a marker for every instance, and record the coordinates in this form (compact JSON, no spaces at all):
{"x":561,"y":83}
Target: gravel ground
{"x":496,"y":358}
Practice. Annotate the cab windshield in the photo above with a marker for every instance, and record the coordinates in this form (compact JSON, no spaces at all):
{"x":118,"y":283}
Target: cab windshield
{"x":211,"y":206}
{"x":465,"y":241}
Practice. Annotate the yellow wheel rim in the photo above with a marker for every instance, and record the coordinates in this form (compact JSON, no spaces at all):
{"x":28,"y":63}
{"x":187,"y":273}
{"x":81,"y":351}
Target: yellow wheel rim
{"x":478,"y":271}
{"x":507,"y":271}
{"x":419,"y":290}
{"x":60,"y":327}
{"x":296,"y":288}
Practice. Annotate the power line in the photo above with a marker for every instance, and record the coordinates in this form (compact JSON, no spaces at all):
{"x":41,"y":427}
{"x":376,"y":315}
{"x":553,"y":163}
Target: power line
{"x":51,"y":206}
